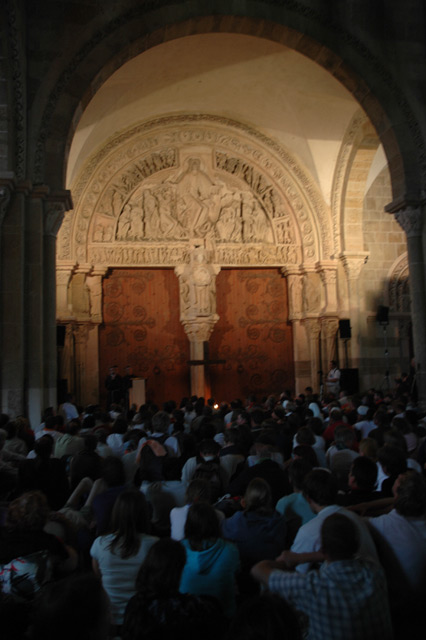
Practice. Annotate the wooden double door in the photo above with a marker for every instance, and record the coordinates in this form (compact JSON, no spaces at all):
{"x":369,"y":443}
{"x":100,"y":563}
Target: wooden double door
{"x":142,"y":329}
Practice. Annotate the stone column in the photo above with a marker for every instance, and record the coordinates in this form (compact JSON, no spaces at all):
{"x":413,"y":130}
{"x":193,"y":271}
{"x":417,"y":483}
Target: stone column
{"x":313,"y":330}
{"x":197,"y":289}
{"x":199,"y":332}
{"x":353,"y":264}
{"x":94,"y":283}
{"x":329,"y":328}
{"x":411,"y":220}
{"x":64,"y":273}
{"x":302,"y":364}
{"x":55,"y":207}
{"x":34,"y":315}
{"x":12,"y":296}
{"x":328,"y":274}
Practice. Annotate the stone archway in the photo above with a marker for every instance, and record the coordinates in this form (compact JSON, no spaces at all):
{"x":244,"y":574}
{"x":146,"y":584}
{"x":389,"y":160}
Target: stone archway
{"x":192,"y":193}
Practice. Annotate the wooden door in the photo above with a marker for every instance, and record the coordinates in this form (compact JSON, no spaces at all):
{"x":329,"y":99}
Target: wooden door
{"x":142,"y":329}
{"x":253,"y":335}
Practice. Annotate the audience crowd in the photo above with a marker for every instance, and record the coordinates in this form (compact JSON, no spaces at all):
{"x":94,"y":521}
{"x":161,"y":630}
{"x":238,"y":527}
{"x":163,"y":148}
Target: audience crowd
{"x":291,"y":517}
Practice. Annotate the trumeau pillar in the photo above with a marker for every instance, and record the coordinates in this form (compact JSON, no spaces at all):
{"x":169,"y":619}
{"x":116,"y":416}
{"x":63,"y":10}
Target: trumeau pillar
{"x":353,"y":264}
{"x":197,"y":290}
{"x":411,"y":220}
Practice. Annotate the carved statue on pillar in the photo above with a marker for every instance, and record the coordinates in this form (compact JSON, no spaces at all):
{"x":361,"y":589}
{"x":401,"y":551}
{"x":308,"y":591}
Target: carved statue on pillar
{"x":328,"y":275}
{"x":197,"y":284}
{"x":94,"y":283}
{"x":295,"y":292}
{"x":63,"y":278}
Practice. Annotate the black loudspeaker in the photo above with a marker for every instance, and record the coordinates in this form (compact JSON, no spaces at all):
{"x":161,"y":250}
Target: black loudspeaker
{"x":382,"y":315}
{"x":349,"y":381}
{"x":345,"y":329}
{"x":60,"y":335}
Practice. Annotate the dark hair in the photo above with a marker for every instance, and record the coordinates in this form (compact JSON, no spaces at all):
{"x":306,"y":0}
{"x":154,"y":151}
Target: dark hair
{"x":298,"y":469}
{"x":90,"y":442}
{"x":339,"y":537}
{"x":129,"y":519}
{"x":410,"y":494}
{"x":364,"y":471}
{"x":160,"y":422}
{"x":305,"y":435}
{"x":209,"y":447}
{"x":113,"y":471}
{"x":202,"y":526}
{"x":73,"y":427}
{"x":119,"y":425}
{"x":320,"y":486}
{"x":29,"y":512}
{"x":43,"y":447}
{"x":306,"y":452}
{"x":198,"y":490}
{"x":392,"y":459}
{"x":257,"y":496}
{"x":160,"y":573}
{"x":75,"y":607}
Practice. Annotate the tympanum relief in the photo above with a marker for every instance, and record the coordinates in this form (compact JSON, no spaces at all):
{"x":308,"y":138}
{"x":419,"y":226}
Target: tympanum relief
{"x":195,"y":201}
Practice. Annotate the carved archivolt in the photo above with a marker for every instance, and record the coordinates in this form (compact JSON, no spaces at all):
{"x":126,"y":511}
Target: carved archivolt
{"x":154,"y":190}
{"x":399,"y":286}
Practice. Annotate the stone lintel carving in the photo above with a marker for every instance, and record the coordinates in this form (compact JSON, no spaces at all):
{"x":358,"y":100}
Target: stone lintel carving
{"x":83,"y":268}
{"x":200,"y":329}
{"x":353,"y":263}
{"x":411,"y":220}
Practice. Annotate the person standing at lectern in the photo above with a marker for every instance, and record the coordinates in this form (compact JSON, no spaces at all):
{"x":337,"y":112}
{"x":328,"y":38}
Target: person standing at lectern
{"x":114,"y":386}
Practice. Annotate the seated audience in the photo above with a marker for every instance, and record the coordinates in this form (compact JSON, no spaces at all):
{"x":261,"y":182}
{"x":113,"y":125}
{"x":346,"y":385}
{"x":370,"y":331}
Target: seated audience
{"x":346,"y":598}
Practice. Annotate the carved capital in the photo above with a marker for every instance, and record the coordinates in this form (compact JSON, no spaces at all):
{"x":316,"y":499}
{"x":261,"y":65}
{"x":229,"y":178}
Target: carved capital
{"x":411,"y":220}
{"x":353,"y":263}
{"x":81,"y":334}
{"x":56,"y":205}
{"x":313,"y":328}
{"x":329,"y":327}
{"x":199,"y":330}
